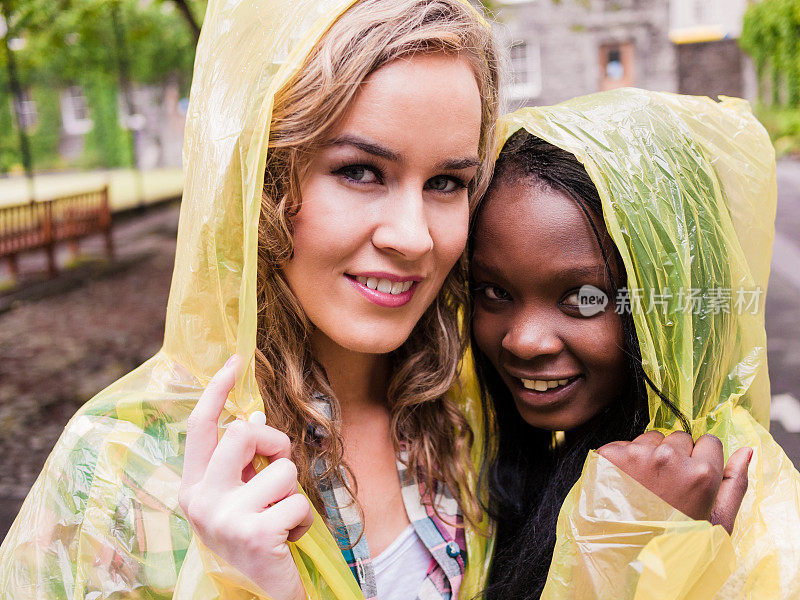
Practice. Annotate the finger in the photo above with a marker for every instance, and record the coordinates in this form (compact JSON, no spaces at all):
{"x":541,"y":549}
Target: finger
{"x":681,"y":442}
{"x":293,"y":513}
{"x":613,"y":451}
{"x":650,"y":438}
{"x":732,"y":490}
{"x":239,"y":445}
{"x":272,"y":484}
{"x":708,"y":448}
{"x":201,"y":427}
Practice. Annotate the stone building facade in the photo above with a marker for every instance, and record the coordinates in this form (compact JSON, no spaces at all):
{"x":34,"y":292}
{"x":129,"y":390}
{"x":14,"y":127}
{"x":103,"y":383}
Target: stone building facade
{"x":564,"y":48}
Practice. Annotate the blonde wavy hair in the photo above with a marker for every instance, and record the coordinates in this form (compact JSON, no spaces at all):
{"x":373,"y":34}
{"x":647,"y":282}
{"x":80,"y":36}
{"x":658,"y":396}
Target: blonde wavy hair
{"x":425,"y":424}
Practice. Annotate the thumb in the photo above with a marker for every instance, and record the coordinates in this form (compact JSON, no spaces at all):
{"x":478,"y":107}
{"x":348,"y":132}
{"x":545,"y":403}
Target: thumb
{"x":732,"y":489}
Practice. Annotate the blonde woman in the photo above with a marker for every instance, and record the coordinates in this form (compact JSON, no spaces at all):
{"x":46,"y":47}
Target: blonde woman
{"x":334,"y":152}
{"x":375,"y":154}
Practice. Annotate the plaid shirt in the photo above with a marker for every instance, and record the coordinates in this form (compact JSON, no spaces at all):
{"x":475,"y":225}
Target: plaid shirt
{"x":443,"y":537}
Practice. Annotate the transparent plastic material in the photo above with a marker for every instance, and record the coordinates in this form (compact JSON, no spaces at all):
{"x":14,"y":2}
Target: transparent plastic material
{"x":689,"y":196}
{"x":102,"y":520}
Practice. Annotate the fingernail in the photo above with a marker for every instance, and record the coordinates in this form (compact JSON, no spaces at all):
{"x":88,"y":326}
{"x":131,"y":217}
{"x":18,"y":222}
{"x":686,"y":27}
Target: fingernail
{"x":750,"y":454}
{"x":231,"y":360}
{"x":257,"y":417}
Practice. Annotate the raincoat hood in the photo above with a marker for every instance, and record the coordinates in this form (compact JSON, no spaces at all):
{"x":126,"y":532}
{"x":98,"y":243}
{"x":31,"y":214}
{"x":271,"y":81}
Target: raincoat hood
{"x":689,"y":198}
{"x":688,"y":193}
{"x":103,"y":519}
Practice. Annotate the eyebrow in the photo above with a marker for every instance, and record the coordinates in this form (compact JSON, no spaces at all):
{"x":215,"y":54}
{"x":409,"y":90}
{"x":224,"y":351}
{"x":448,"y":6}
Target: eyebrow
{"x":579,"y":271}
{"x":365,"y":145}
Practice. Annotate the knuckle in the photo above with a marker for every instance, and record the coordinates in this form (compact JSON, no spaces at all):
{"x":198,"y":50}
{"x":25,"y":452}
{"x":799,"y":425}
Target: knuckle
{"x":184,"y":499}
{"x":286,"y":468}
{"x":680,"y":435}
{"x":704,"y":473}
{"x":710,"y":437}
{"x":664,"y":455}
{"x":284,"y":441}
{"x":238,"y":429}
{"x":196,"y":514}
{"x":219,"y":526}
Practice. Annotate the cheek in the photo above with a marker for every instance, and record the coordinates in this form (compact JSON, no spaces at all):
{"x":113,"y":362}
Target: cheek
{"x":489,"y":330}
{"x":602,"y":344}
{"x":448,"y":227}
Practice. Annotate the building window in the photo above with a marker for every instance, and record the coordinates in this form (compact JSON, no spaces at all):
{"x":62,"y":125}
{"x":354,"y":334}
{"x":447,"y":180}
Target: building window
{"x":75,"y":111}
{"x":616,"y":65}
{"x":526,"y":71}
{"x":25,"y":107}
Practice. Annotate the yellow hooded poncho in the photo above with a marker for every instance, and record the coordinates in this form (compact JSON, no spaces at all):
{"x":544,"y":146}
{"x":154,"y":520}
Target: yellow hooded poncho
{"x":689,"y":196}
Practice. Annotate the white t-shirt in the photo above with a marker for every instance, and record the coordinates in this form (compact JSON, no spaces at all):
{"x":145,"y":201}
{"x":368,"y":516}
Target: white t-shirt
{"x":402,"y":567}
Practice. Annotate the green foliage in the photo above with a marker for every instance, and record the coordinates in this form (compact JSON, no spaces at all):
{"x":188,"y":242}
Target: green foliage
{"x":95,"y":44}
{"x":771,"y":36}
{"x":783,"y":125}
{"x":9,"y":143}
{"x":47,"y":133}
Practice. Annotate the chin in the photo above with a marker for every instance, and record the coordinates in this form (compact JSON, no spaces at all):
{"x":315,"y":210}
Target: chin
{"x":550,"y":420}
{"x":377,"y":340}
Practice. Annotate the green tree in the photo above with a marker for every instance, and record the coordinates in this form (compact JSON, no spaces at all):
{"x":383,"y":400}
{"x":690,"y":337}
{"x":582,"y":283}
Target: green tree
{"x":771,"y":36}
{"x":106,"y":47}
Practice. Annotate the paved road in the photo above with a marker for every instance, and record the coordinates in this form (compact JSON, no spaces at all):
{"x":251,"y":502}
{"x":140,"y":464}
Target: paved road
{"x":783,"y":313}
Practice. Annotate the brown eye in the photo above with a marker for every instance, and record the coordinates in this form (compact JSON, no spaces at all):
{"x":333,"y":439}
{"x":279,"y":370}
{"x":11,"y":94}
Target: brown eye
{"x":572,"y":300}
{"x":492,"y":292}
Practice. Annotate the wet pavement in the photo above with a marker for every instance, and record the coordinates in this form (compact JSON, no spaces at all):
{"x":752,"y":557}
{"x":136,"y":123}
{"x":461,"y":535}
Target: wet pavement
{"x":783,"y":313}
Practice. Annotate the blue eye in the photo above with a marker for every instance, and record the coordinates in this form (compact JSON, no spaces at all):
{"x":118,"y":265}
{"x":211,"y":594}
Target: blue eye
{"x":358,"y":174}
{"x":445,"y":184}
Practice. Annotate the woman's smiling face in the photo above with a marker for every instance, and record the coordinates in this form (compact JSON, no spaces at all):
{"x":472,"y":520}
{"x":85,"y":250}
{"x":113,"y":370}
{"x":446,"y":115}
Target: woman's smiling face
{"x":534,"y":249}
{"x":384,"y":208}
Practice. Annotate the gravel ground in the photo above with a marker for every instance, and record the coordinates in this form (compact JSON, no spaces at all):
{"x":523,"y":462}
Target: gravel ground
{"x":58,"y":348}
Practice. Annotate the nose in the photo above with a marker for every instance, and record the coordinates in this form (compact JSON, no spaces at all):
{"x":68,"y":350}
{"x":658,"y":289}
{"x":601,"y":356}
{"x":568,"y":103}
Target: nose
{"x":404,"y":226}
{"x":531,"y":336}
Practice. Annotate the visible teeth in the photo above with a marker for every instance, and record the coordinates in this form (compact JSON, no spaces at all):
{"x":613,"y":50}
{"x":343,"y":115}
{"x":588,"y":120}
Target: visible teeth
{"x":542,"y":385}
{"x":384,"y":285}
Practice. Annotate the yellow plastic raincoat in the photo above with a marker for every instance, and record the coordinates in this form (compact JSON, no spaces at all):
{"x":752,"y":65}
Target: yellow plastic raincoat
{"x":688,"y":192}
{"x":102,"y":520}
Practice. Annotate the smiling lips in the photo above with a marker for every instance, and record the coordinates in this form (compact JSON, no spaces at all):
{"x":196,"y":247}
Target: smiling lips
{"x":385,"y":290}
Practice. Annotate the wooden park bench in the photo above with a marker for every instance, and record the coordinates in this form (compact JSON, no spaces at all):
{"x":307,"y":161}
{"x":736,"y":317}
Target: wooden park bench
{"x":43,"y":225}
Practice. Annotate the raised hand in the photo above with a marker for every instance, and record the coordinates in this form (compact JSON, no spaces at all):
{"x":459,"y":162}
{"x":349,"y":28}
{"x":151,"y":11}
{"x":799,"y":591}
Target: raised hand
{"x":691,"y":476}
{"x":244,"y":517}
